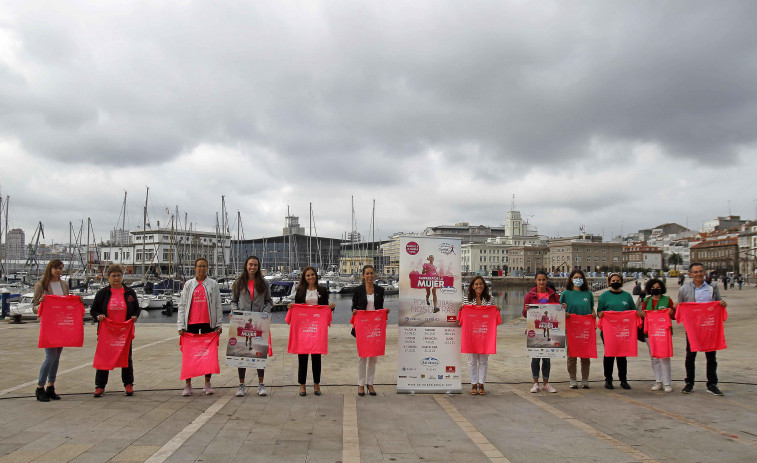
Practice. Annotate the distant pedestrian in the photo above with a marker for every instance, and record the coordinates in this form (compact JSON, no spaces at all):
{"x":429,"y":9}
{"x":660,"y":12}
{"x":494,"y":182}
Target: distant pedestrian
{"x":681,"y":278}
{"x":200,"y":311}
{"x":725,"y":282}
{"x":741,"y":281}
{"x":118,"y":303}
{"x":578,"y":300}
{"x":541,"y":294}
{"x":51,"y":284}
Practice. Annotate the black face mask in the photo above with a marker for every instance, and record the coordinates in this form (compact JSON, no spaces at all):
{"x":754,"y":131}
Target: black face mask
{"x":616,"y":285}
{"x":656,"y":291}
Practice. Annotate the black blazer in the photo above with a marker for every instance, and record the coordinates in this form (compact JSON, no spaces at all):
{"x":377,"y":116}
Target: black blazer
{"x":100,"y":304}
{"x":360,"y":297}
{"x":323,"y":296}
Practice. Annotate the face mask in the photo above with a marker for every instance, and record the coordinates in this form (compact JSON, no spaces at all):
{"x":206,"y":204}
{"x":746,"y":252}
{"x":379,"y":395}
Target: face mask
{"x":656,"y":291}
{"x":616,"y":285}
{"x":578,"y":282}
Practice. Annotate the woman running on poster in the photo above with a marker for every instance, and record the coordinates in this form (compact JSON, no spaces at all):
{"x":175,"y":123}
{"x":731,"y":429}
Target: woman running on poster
{"x":429,"y":269}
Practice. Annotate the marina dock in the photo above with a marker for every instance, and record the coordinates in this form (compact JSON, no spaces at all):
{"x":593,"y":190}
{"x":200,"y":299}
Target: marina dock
{"x":509,"y":424}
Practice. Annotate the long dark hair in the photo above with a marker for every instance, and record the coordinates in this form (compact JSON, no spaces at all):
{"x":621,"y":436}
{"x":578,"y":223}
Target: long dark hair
{"x":362,"y":278}
{"x":472,"y":293}
{"x":302,"y":288}
{"x":569,"y":283}
{"x":55,"y":263}
{"x":243,"y":279}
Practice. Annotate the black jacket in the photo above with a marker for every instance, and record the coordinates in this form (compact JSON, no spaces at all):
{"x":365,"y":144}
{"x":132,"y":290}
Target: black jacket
{"x":100,"y":305}
{"x":360,"y":297}
{"x":323,"y":296}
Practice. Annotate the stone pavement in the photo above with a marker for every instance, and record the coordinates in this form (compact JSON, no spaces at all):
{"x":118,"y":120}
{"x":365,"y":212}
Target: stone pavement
{"x":509,"y":424}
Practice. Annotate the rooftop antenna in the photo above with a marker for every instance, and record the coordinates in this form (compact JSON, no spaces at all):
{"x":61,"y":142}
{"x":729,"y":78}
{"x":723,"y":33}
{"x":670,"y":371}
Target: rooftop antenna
{"x":512,"y":205}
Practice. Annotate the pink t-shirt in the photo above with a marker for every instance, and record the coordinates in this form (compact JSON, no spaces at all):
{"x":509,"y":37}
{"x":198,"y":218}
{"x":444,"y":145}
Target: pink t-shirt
{"x":479,"y":329}
{"x":619,"y":333}
{"x":657,"y":326}
{"x":704,"y":325}
{"x":61,"y":321}
{"x":198,"y":310}
{"x":370,"y":332}
{"x":117,"y":305}
{"x":582,"y":336}
{"x":429,"y":269}
{"x":199,"y":354}
{"x":308,"y":329}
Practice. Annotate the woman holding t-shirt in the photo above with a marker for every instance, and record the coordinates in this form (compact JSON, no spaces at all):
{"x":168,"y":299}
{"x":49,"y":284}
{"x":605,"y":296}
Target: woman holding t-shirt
{"x":657,"y":300}
{"x":52,"y":285}
{"x":251,"y":293}
{"x":578,"y":300}
{"x":119,"y":303}
{"x":200,"y":311}
{"x":368,"y":296}
{"x":311,"y":293}
{"x":478,"y":364}
{"x":540,"y":294}
{"x":616,"y":300}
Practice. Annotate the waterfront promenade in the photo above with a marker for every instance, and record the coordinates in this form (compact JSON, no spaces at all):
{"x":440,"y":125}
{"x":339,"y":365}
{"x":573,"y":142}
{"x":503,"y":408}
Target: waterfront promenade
{"x":508,"y":424}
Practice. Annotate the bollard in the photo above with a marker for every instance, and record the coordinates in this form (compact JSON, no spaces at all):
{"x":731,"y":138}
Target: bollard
{"x":6,"y":305}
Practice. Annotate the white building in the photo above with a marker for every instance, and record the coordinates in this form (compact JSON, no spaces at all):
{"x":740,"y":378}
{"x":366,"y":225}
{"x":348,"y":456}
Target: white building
{"x":482,"y":258}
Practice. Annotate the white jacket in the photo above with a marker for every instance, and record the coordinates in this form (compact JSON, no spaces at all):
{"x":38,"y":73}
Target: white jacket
{"x":214,"y":302}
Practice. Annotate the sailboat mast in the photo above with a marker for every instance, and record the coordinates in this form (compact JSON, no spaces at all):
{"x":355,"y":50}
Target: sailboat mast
{"x":144,"y":233}
{"x":310,"y":235}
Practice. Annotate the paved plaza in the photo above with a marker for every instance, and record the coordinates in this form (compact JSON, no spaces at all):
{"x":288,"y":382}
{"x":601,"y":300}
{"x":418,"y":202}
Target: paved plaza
{"x":157,"y":424}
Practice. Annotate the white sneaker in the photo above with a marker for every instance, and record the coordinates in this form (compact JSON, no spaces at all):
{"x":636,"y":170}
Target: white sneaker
{"x":535,"y":388}
{"x":240,"y":390}
{"x":657,"y":386}
{"x":549,"y":388}
{"x":187,"y":390}
{"x":208,"y":389}
{"x":668,"y":388}
{"x":261,"y":390}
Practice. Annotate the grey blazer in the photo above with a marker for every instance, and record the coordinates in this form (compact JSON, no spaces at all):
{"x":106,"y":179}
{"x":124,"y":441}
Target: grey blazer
{"x":243,"y":303}
{"x":686,"y":293}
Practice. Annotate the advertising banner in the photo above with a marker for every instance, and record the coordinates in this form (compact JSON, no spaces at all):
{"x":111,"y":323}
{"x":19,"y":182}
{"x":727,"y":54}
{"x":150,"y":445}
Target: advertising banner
{"x":545,"y":331}
{"x":248,"y":339}
{"x":430,"y":295}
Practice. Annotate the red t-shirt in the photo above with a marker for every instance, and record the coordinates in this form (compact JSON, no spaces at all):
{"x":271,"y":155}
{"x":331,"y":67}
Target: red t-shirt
{"x":199,"y":354}
{"x":61,"y":322}
{"x":657,"y":326}
{"x":308,"y":329}
{"x":117,"y":305}
{"x":619,"y":333}
{"x":479,"y":329}
{"x":704,"y":325}
{"x":582,"y":336}
{"x":370,"y":332}
{"x":198,"y":310}
{"x":113,"y":343}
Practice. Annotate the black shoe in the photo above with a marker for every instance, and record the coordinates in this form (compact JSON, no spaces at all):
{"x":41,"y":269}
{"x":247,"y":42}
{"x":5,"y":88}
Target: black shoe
{"x":688,"y":388}
{"x":625,"y":385}
{"x":50,"y":391}
{"x":713,"y":389}
{"x":608,"y":384}
{"x":42,"y":395}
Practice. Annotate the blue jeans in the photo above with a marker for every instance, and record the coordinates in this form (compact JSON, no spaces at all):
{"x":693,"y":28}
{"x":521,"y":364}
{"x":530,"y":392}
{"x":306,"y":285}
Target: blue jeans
{"x":49,"y":369}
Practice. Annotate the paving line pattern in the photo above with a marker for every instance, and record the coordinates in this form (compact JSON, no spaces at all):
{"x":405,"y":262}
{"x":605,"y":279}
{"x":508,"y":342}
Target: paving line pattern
{"x":172,"y":445}
{"x":491,"y":452}
{"x":689,"y":421}
{"x":78,"y":367}
{"x":350,"y":440}
{"x":618,"y":444}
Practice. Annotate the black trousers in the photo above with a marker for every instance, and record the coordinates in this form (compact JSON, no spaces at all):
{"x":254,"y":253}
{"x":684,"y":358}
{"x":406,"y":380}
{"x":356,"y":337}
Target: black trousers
{"x":127,"y":375}
{"x":242,"y":371}
{"x":302,"y":368}
{"x":712,"y":365}
{"x":607,"y":362}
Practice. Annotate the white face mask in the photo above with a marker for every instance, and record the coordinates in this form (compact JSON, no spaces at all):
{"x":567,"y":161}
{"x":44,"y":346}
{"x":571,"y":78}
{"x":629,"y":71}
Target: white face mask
{"x":578,"y":282}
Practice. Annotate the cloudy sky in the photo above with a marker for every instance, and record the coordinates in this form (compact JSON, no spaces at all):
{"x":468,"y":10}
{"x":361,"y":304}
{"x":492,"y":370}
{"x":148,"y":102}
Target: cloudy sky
{"x":609,"y":114}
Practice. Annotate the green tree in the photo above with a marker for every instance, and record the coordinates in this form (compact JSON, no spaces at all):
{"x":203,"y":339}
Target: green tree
{"x":675,"y":259}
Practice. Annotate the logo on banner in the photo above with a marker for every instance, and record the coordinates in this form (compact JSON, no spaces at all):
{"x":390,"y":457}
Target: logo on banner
{"x":232,"y":341}
{"x":446,"y":249}
{"x":531,"y":333}
{"x":440,"y":376}
{"x":450,"y":290}
{"x":430,"y":362}
{"x":412,"y":248}
{"x":451,"y":318}
{"x":449,"y":369}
